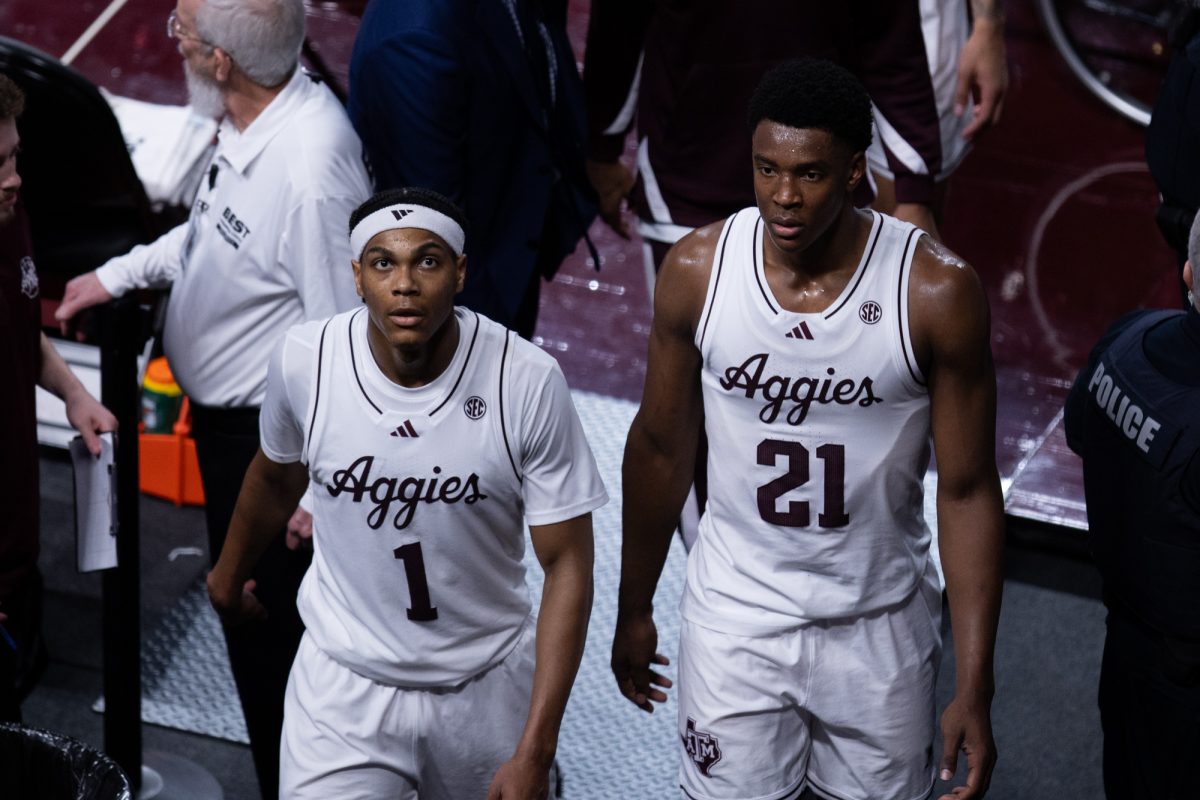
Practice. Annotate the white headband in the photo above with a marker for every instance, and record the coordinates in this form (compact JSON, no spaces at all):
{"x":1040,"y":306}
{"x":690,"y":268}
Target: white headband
{"x":406,"y":216}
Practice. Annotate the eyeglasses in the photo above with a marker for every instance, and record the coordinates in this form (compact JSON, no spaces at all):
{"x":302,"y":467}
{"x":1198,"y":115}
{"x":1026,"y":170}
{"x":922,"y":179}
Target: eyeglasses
{"x":176,"y":31}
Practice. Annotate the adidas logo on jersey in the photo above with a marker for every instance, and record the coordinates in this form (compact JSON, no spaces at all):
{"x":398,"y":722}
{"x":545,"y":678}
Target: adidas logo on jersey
{"x":801,"y":331}
{"x":406,"y":431}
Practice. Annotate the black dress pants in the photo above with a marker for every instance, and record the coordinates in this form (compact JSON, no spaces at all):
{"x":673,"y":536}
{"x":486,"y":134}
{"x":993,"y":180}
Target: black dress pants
{"x":1150,"y":711}
{"x":260,"y":652}
{"x":22,"y":648}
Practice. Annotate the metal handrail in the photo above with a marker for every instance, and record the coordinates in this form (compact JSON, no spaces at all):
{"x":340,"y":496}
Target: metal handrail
{"x":1131,"y":109}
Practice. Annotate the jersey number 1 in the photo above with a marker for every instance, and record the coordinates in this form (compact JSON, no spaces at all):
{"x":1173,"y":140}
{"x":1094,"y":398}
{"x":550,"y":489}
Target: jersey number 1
{"x":422,"y":609}
{"x":797,"y":514}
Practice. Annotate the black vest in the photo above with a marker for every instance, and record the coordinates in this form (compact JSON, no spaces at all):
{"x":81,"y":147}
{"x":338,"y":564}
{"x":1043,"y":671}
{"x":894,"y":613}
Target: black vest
{"x":1140,"y":433}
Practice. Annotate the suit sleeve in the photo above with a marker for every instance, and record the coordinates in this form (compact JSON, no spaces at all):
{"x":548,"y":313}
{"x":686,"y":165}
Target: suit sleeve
{"x":611,"y":72}
{"x":891,"y":62}
{"x":413,"y":113}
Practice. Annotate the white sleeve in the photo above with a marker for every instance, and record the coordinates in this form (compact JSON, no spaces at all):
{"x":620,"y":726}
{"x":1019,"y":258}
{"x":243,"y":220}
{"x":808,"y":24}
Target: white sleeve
{"x":147,"y":266}
{"x":289,"y":373}
{"x":560,"y":478}
{"x":315,"y":251}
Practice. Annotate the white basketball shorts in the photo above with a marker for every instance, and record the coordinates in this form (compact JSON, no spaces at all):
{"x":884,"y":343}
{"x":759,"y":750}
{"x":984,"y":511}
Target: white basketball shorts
{"x":844,"y":707}
{"x":351,"y":738}
{"x":945,"y":28}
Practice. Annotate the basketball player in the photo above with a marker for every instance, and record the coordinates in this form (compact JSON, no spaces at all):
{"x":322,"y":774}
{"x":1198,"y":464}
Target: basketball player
{"x":430,"y":434}
{"x":822,"y":345}
{"x":964,"y":46}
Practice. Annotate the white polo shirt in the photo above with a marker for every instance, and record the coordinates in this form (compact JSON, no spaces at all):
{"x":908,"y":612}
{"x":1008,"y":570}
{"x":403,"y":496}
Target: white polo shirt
{"x":265,"y":247}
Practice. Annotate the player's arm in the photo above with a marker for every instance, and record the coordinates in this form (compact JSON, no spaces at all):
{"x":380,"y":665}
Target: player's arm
{"x":983,"y":68}
{"x":952,"y":341}
{"x":660,"y":453}
{"x":272,"y":485}
{"x":564,"y":550}
{"x":270,"y":492}
{"x":84,"y":412}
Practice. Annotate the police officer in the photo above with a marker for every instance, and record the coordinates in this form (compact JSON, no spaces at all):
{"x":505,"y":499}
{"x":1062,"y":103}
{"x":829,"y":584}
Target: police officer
{"x":1134,"y":416}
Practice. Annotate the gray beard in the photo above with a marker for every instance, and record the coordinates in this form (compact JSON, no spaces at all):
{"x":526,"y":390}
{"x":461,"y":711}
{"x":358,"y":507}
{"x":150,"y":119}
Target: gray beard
{"x":204,"y":95}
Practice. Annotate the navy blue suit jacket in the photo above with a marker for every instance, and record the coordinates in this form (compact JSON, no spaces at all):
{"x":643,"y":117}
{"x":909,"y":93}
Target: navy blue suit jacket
{"x":444,"y":97}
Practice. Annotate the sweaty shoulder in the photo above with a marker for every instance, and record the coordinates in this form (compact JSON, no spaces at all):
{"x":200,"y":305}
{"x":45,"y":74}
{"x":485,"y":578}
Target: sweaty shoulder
{"x":946,"y":300}
{"x":683,"y":278}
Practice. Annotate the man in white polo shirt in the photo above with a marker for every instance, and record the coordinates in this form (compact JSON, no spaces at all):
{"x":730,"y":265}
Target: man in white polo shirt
{"x":263,"y":249}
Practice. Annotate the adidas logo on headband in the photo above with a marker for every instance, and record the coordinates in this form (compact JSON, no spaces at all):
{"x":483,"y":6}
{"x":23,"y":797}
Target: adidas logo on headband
{"x":412,"y":216}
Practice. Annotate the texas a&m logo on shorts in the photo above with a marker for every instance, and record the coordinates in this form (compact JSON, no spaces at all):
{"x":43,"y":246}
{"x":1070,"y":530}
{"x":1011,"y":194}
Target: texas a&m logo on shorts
{"x":702,"y":747}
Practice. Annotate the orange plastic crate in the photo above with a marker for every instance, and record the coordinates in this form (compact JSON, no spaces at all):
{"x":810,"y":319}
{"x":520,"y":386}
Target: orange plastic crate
{"x":167,"y":465}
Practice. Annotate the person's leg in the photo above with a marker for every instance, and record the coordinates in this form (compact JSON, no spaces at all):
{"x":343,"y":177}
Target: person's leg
{"x":22,"y":648}
{"x":742,"y":728}
{"x":345,"y":736}
{"x":260,"y":652}
{"x":469,"y":730}
{"x":872,"y":700}
{"x":1149,"y":702}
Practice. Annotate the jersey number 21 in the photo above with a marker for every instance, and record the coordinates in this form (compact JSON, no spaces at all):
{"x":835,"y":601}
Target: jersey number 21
{"x":797,"y":458}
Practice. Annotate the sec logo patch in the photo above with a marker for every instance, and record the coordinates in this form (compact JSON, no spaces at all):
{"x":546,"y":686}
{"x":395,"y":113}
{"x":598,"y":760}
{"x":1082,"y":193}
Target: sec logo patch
{"x":474,"y":407}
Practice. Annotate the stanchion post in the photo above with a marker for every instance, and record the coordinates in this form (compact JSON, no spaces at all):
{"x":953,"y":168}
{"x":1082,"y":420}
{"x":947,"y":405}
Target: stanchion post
{"x":120,"y":326}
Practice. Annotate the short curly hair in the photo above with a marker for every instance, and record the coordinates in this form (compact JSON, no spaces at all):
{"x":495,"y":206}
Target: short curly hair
{"x":12,"y":99}
{"x":416,"y":195}
{"x":814,"y":93}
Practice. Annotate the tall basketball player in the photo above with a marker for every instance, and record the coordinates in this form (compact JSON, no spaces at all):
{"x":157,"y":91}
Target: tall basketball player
{"x":430,"y":435}
{"x":822,"y":346}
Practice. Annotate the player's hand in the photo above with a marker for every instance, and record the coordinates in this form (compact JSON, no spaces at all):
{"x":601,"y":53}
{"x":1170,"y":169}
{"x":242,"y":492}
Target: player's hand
{"x":520,"y":779}
{"x":983,"y":75}
{"x":299,"y":530}
{"x":919,"y":215}
{"x":612,"y":181}
{"x":634,"y":649}
{"x":82,"y":292}
{"x":967,"y":726}
{"x":89,"y":417}
{"x":234,"y":606}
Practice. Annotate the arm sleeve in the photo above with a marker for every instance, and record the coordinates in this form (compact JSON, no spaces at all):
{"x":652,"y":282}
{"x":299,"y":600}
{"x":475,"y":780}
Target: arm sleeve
{"x":147,"y":266}
{"x":1075,"y":410}
{"x":315,"y":250}
{"x":612,"y":71}
{"x":560,"y":477}
{"x":280,"y":426}
{"x":893,"y":66}
{"x":413,"y":119}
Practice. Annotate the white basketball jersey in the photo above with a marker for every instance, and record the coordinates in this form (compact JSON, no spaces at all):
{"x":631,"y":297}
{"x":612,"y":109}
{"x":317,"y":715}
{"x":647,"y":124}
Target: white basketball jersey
{"x":420,"y":498}
{"x":818,"y":436}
